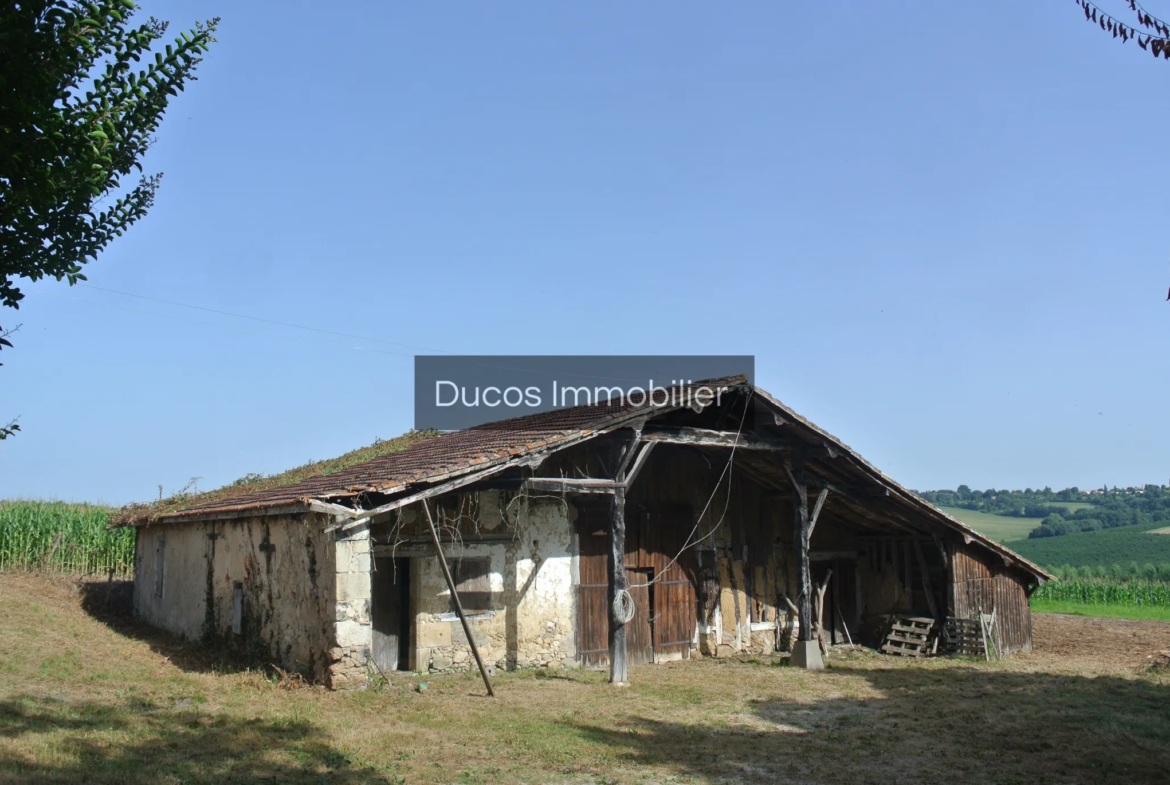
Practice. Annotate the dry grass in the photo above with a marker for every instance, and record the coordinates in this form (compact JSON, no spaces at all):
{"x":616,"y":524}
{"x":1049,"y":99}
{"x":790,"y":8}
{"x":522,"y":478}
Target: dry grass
{"x":134,"y":514}
{"x":83,"y":700}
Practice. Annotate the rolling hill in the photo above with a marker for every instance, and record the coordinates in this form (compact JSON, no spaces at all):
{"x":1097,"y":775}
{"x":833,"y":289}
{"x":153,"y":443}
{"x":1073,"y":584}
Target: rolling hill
{"x":1121,"y":545}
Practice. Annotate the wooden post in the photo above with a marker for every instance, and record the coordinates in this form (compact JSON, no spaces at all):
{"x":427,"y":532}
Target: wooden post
{"x":455,"y":597}
{"x":804,"y":524}
{"x":802,"y":536}
{"x":821,"y":613}
{"x":617,"y":583}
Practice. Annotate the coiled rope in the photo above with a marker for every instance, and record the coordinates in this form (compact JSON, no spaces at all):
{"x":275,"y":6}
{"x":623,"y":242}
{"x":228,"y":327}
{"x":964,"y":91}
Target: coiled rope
{"x":623,"y":607}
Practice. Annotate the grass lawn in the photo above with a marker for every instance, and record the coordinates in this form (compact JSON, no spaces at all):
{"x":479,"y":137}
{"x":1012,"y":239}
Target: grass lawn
{"x":86,"y":700}
{"x":1109,"y":611}
{"x":998,"y":527}
{"x":1071,"y":506}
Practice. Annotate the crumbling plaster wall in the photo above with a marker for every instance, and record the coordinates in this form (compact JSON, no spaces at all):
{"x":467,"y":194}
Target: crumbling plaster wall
{"x":285,"y":566}
{"x":180,"y":606}
{"x":531,"y":621}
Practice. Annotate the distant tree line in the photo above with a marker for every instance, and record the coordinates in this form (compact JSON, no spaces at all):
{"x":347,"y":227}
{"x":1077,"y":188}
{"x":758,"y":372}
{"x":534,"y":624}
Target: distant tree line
{"x":1109,"y":508}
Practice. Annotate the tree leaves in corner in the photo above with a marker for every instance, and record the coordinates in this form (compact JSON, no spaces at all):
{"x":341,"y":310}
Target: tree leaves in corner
{"x":76,"y":116}
{"x":1156,"y":42}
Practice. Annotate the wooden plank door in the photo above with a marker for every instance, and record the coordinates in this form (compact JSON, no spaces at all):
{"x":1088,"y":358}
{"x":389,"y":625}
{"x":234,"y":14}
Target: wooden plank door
{"x":390,"y":614}
{"x":665,"y":534}
{"x":593,"y":583}
{"x":593,"y":591}
{"x":639,"y":634}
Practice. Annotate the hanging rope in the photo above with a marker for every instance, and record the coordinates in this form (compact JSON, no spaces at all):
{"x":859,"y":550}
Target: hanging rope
{"x":623,"y":607}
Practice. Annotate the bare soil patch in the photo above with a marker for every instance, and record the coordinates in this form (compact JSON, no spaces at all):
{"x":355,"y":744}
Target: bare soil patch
{"x":1099,"y":645}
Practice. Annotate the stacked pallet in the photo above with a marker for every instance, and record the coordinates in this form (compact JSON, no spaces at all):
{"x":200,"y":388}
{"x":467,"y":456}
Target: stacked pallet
{"x":962,"y":637}
{"x":909,"y":636}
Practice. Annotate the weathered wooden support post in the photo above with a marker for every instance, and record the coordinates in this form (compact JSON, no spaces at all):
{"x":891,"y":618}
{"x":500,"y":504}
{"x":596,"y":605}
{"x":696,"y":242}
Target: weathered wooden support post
{"x":618,"y":588}
{"x":805,"y":652}
{"x":801,"y":537}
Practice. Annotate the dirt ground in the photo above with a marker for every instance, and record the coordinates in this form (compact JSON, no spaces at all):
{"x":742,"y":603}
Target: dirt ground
{"x":89,"y":696}
{"x":1101,"y":645}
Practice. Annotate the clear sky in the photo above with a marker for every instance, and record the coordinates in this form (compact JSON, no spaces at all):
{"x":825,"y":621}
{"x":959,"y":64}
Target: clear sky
{"x":937,"y":226}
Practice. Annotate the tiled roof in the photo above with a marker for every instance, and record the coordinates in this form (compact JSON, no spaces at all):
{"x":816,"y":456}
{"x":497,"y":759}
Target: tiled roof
{"x":458,"y":452}
{"x":433,"y":459}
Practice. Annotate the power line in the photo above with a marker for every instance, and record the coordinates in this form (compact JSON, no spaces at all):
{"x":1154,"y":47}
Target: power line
{"x":256,"y":319}
{"x":227,"y":326}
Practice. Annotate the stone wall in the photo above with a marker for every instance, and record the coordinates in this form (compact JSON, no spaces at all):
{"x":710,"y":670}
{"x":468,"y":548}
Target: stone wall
{"x":531,"y":619}
{"x":349,"y":654}
{"x":284,"y":567}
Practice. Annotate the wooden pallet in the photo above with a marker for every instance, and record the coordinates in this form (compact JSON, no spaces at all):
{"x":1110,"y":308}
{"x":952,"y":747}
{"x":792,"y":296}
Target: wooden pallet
{"x":909,"y":636}
{"x":962,"y":637}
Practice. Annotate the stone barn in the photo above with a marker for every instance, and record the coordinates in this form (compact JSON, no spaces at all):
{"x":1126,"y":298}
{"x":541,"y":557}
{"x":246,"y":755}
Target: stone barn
{"x":715,"y":524}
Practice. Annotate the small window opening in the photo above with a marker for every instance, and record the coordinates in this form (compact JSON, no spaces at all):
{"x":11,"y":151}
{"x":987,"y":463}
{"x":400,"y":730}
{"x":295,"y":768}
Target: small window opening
{"x":473,"y":583}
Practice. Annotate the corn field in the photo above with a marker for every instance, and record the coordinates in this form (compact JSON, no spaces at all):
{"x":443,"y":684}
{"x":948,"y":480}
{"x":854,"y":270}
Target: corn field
{"x":62,"y":537}
{"x":1131,"y":594}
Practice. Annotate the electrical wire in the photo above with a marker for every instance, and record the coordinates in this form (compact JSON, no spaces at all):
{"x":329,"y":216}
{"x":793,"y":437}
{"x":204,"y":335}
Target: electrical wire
{"x":259,"y":319}
{"x":710,"y":499}
{"x":225,"y":326}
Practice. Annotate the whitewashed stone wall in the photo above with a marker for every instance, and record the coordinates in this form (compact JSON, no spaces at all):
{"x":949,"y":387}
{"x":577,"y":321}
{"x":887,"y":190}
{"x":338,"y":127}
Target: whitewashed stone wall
{"x":531,"y":623}
{"x":307,"y":593}
{"x":284,"y":565}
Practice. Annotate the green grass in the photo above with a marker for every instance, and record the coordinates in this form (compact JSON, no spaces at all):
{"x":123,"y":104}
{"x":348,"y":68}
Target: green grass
{"x":1071,"y":506}
{"x":1106,"y":547}
{"x":998,"y":527}
{"x":62,"y":537}
{"x":1004,"y":528}
{"x":109,"y":702}
{"x":1111,"y":611}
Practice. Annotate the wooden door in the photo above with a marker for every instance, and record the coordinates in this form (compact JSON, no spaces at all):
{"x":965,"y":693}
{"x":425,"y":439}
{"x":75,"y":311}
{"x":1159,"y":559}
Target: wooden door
{"x":390,"y":614}
{"x":639,"y":634}
{"x":593,"y":583}
{"x":665,"y":536}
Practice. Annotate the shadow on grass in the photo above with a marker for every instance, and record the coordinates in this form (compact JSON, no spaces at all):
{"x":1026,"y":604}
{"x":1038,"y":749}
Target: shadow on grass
{"x":112,"y":604}
{"x":961,"y":724}
{"x":135,"y":743}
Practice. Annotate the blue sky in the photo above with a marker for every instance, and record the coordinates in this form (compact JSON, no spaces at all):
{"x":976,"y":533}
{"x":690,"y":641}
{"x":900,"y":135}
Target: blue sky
{"x":937,"y":226}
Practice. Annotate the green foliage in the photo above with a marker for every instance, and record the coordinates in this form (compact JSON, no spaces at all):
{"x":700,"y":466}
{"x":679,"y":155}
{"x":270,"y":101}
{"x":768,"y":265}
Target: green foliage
{"x":76,"y":116}
{"x":1063,"y":512}
{"x":83,"y":542}
{"x":12,"y":427}
{"x":1118,"y":572}
{"x":1151,"y":33}
{"x":1137,"y":594}
{"x":1099,"y":550}
{"x":135,"y":513}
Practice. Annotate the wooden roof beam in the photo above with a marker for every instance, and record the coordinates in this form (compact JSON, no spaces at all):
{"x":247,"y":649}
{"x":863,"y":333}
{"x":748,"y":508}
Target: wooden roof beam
{"x":704,"y":437}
